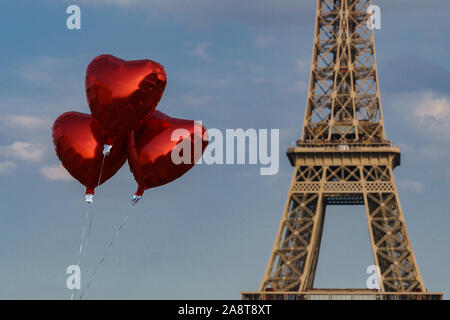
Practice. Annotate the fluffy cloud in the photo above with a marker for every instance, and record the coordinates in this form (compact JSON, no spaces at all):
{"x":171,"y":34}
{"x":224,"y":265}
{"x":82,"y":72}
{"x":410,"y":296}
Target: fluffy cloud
{"x":409,"y":185}
{"x":303,"y":66}
{"x":426,"y":115}
{"x":55,"y":73}
{"x":200,"y":51}
{"x":194,"y":100}
{"x":428,"y":112}
{"x":263,"y":41}
{"x":25,"y":122}
{"x":7,"y":168}
{"x":299,"y":86}
{"x":23,"y":151}
{"x":429,"y":106}
{"x":55,"y":173}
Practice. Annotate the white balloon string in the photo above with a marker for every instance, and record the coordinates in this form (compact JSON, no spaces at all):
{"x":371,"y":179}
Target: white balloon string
{"x":107,"y":251}
{"x":92,"y":215}
{"x":101,"y":170}
{"x":83,"y":243}
{"x":87,"y":225}
{"x":91,"y":218}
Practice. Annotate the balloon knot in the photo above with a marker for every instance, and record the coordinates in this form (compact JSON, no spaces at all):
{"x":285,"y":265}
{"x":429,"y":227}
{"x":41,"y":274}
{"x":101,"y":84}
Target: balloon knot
{"x":89,"y":198}
{"x":135,"y":199}
{"x":107,"y":149}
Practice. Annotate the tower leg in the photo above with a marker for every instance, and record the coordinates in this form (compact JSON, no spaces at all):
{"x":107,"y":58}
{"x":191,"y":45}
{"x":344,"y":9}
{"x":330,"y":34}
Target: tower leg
{"x":391,"y":246}
{"x":294,"y":256}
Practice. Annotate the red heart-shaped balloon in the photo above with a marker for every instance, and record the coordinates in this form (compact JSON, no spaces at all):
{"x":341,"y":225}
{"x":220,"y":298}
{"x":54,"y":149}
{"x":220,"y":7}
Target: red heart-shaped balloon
{"x":79,"y":140}
{"x":121,"y":93}
{"x":150,"y":149}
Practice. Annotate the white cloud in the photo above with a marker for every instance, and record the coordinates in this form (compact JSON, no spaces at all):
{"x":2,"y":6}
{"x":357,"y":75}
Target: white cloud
{"x":55,"y":173}
{"x":196,"y":100}
{"x":7,"y":168}
{"x":39,"y":71}
{"x":427,"y":112}
{"x":200,"y":51}
{"x":56,"y":73}
{"x":430,"y":106}
{"x":23,"y":151}
{"x":263,"y":41}
{"x":303,"y":66}
{"x":25,"y":122}
{"x":299,"y":86}
{"x":409,"y":185}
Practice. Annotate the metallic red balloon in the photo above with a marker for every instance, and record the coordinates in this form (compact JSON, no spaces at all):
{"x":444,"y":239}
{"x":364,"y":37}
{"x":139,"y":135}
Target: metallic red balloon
{"x":121,"y":93}
{"x":79,"y":140}
{"x":150,"y":147}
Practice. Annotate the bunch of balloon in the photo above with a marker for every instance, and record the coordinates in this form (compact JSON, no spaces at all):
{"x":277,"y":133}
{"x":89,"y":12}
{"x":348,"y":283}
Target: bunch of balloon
{"x":122,"y":97}
{"x":123,"y":124}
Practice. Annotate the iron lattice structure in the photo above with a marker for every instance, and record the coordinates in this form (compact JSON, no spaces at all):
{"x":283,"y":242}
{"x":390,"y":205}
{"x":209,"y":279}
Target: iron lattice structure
{"x":343,"y":158}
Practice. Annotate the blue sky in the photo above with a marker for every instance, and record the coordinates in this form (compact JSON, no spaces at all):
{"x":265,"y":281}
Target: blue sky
{"x":231,"y":64}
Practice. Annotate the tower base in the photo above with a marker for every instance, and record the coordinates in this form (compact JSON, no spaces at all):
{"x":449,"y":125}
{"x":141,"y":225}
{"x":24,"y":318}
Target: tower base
{"x":341,"y":294}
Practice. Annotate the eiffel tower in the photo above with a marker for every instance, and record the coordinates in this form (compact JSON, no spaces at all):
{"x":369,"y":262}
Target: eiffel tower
{"x":343,"y":158}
